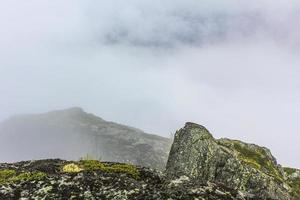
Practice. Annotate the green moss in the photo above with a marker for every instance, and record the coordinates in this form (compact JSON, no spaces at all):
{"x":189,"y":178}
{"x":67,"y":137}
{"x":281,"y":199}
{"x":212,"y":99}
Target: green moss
{"x":289,"y":171}
{"x":91,"y":165}
{"x":123,"y":168}
{"x":257,"y":159}
{"x":254,"y":157}
{"x":113,"y":168}
{"x":295,"y":185}
{"x":28,"y":176}
{"x":6,"y":174}
{"x":293,"y":182}
{"x":10,"y":176}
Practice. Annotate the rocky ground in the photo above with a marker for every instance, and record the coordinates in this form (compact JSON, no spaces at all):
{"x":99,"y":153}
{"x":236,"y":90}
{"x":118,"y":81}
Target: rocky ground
{"x":199,"y":167}
{"x":58,"y":179}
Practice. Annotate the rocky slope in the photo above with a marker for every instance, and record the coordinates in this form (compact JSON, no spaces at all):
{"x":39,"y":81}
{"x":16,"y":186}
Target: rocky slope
{"x":246,"y":167}
{"x":199,"y":167}
{"x":73,"y":133}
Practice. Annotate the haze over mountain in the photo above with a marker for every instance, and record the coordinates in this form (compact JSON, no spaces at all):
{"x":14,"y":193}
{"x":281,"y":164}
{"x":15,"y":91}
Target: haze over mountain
{"x":73,"y":133}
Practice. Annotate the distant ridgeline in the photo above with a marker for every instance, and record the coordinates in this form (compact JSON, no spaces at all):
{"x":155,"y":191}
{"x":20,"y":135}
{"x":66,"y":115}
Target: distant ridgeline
{"x":72,"y":134}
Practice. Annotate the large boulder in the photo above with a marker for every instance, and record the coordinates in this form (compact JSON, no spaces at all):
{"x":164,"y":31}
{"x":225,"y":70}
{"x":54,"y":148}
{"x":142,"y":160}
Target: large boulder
{"x":195,"y":153}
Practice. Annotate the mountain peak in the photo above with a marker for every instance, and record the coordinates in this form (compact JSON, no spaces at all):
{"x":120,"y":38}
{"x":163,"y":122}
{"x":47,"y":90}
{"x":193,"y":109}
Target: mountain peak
{"x":193,"y":125}
{"x":70,"y":111}
{"x":74,"y":109}
{"x":194,"y":131}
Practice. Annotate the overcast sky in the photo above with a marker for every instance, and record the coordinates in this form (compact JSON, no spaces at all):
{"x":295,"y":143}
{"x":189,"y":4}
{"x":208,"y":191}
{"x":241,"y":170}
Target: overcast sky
{"x":231,"y":65}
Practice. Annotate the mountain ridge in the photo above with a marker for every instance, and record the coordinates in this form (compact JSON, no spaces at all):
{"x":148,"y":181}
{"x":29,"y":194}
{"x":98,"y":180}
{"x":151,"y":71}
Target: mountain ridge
{"x":72,"y":133}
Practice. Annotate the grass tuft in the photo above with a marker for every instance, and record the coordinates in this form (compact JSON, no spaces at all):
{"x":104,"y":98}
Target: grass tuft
{"x":91,"y":165}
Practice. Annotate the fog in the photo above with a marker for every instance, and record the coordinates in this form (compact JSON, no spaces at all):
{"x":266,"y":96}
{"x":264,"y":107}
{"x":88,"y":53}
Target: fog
{"x":230,"y":65}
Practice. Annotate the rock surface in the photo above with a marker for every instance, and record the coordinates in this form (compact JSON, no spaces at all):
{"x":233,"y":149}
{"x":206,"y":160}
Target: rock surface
{"x":293,"y":179}
{"x":72,"y":133}
{"x":195,"y":153}
{"x":56,"y":181}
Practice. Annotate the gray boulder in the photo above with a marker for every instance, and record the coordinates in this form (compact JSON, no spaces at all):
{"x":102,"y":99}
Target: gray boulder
{"x":249,"y":168}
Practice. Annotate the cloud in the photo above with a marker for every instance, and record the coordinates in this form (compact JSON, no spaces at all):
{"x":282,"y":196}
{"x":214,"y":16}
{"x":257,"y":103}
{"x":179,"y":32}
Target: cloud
{"x":231,"y":65}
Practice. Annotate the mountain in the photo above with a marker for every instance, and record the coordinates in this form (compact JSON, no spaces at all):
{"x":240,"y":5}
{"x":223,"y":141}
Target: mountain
{"x":199,"y":167}
{"x":72,"y":134}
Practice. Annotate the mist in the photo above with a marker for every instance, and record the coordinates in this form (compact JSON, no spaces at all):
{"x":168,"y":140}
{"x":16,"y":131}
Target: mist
{"x":230,"y":65}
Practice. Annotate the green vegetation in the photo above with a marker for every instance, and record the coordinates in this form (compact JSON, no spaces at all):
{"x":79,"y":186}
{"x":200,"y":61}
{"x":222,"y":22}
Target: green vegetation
{"x":6,"y":174}
{"x":257,"y":158}
{"x":10,"y":176}
{"x":28,"y":176}
{"x":289,"y":171}
{"x":91,"y":165}
{"x":254,"y":157}
{"x":123,"y":168}
{"x":295,"y":185}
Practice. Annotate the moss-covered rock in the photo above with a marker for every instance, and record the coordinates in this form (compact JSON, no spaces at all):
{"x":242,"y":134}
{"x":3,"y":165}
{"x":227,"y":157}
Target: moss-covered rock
{"x":293,"y":179}
{"x":259,"y":158}
{"x":247,"y":167}
{"x":6,"y":174}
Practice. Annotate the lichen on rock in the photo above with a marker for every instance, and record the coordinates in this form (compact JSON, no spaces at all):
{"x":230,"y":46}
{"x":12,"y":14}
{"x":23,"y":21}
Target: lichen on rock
{"x":247,"y":167}
{"x":293,"y":179}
